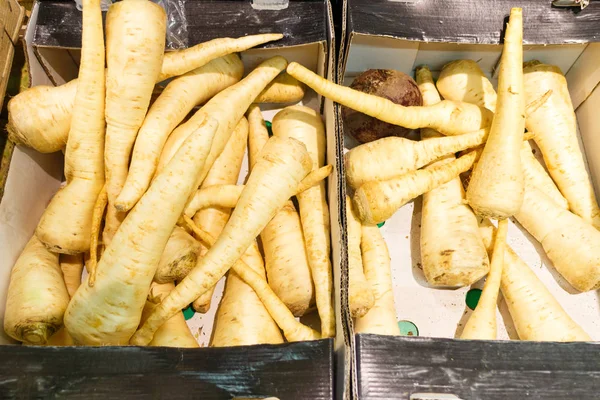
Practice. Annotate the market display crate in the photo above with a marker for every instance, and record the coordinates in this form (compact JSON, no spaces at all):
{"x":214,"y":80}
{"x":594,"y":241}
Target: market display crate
{"x":291,"y":370}
{"x":403,"y":35}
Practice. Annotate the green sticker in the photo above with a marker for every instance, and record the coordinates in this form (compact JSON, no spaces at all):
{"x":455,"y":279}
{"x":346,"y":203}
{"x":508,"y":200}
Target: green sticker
{"x":472,"y":298}
{"x":269,"y":127}
{"x":379,"y":225}
{"x":188,"y":312}
{"x":408,"y":328}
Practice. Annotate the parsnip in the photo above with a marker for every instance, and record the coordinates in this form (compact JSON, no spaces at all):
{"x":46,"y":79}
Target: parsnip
{"x":227,"y":107}
{"x":179,"y":257}
{"x":283,"y":89}
{"x":110,"y":311}
{"x":376,"y":201}
{"x":283,"y":163}
{"x":40,"y":117}
{"x":452,"y":252}
{"x":360,"y":294}
{"x":72,"y":268}
{"x":497,"y":183}
{"x":463,"y":80}
{"x":305,"y":124}
{"x":556,"y":135}
{"x":571,"y":243}
{"x":447,"y":117}
{"x":283,"y":241}
{"x":65,"y":226}
{"x":381,"y":318}
{"x":174,"y":332}
{"x":393,"y":156}
{"x":37,"y":296}
{"x":173,"y":104}
{"x":133,"y":63}
{"x":482,"y":323}
{"x":535,"y":312}
{"x":225,"y":170}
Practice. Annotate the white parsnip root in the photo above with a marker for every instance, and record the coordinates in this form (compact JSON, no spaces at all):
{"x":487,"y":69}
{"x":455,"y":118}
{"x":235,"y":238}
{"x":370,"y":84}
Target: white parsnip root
{"x":110,"y":311}
{"x":447,"y":117}
{"x":452,"y":252}
{"x":283,"y":164}
{"x":179,"y":257}
{"x":381,"y":318}
{"x":535,"y":312}
{"x":482,"y":323}
{"x":360,"y":295}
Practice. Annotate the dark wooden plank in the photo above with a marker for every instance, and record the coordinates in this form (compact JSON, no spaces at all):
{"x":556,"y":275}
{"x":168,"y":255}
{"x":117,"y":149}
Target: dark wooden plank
{"x":59,"y":22}
{"x":395,"y":367}
{"x":289,"y":371}
{"x":468,"y":21}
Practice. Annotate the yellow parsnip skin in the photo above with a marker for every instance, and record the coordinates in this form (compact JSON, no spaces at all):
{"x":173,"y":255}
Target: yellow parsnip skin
{"x":37,"y":297}
{"x":463,"y":80}
{"x":283,"y":89}
{"x":571,"y":243}
{"x":305,"y":124}
{"x":452,"y":252}
{"x":72,"y":268}
{"x":447,"y":117}
{"x":274,"y":178}
{"x":110,"y":311}
{"x":133,"y":63}
{"x":360,"y":295}
{"x":381,"y":318}
{"x":497,"y":183}
{"x":535,"y":312}
{"x":65,"y":226}
{"x":555,"y":126}
{"x":178,"y":258}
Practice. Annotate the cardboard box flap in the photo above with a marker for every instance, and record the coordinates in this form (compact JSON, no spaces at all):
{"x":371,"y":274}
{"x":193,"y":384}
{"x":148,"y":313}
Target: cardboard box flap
{"x":465,"y":21}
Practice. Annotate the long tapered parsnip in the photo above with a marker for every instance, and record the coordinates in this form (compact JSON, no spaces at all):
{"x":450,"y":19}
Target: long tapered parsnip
{"x":392,"y":156}
{"x":174,"y":332}
{"x":381,"y":318}
{"x":571,"y":243}
{"x":242,"y":319}
{"x":556,"y":135}
{"x":463,"y":80}
{"x":497,"y":183}
{"x":65,"y":226}
{"x":227,"y":107}
{"x":133,"y":63}
{"x":482,"y":323}
{"x":305,"y":124}
{"x":376,"y":201}
{"x":360,"y":294}
{"x":283,"y":89}
{"x":283,"y":164}
{"x":97,"y":219}
{"x":71,"y":266}
{"x":225,"y":170}
{"x":178,"y":258}
{"x":110,"y":311}
{"x":37,"y":297}
{"x":173,"y":104}
{"x":227,"y":196}
{"x":447,"y":117}
{"x":40,"y":117}
{"x":293,"y":330}
{"x":452,"y":252}
{"x":535,"y":312}
{"x":283,"y":241}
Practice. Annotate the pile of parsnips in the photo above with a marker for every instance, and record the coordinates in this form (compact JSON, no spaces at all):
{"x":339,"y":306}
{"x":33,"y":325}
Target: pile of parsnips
{"x":151,"y":207}
{"x":488,"y":133}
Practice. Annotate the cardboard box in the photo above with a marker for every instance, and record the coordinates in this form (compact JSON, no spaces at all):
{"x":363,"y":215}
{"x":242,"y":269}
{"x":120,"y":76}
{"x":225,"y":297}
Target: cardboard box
{"x":295,"y":370}
{"x":402,"y":35}
{"x":11,"y":17}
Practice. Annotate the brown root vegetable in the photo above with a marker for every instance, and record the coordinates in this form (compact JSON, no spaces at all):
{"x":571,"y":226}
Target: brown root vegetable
{"x":393,"y":85}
